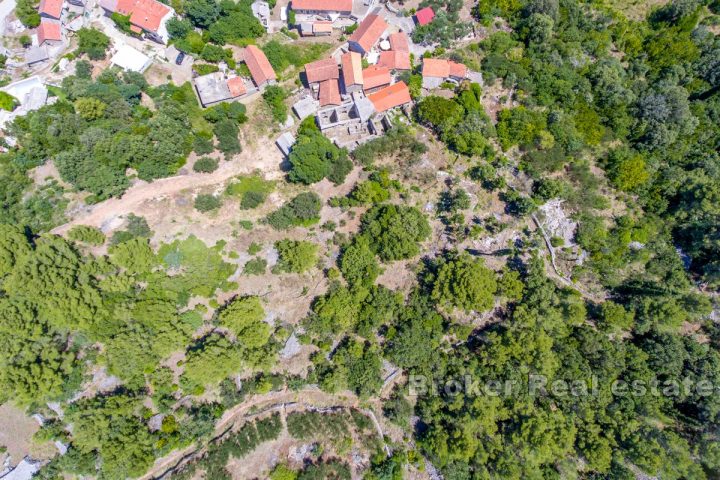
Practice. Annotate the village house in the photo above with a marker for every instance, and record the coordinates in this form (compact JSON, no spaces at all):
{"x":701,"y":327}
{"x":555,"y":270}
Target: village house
{"x":375,"y":77}
{"x":389,"y":97}
{"x":394,"y":60}
{"x":36,"y":55}
{"x":424,"y":16}
{"x":285,"y":143}
{"x":398,"y":57}
{"x":261,"y":71}
{"x":329,"y":93}
{"x":435,"y":71}
{"x":367,"y":34}
{"x":352,"y":72}
{"x":399,"y":42}
{"x":147,"y":17}
{"x":51,"y":9}
{"x":326,"y":8}
{"x":214,"y":88}
{"x":49,"y":33}
{"x":261,"y":11}
{"x":321,"y":70}
{"x":315,"y":29}
{"x":130,"y":59}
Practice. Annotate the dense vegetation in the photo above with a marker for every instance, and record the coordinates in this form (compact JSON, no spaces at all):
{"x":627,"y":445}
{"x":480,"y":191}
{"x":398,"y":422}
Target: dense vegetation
{"x":494,"y":364}
{"x":100,"y":129}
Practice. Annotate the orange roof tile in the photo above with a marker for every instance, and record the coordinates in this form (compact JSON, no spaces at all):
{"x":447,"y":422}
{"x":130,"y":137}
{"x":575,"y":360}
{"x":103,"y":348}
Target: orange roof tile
{"x":399,"y":42}
{"x":395,"y":60}
{"x":369,"y":31}
{"x":52,"y":8}
{"x":259,"y":66}
{"x":389,"y":97}
{"x":136,"y":29}
{"x":323,"y":5}
{"x":329,"y":93}
{"x":375,"y":76}
{"x":48,"y":31}
{"x":322,"y":70}
{"x":146,"y":14}
{"x":322,"y":27}
{"x":236,"y":86}
{"x":352,"y":69}
{"x":457,"y":70}
{"x":435,"y":67}
{"x":424,"y":15}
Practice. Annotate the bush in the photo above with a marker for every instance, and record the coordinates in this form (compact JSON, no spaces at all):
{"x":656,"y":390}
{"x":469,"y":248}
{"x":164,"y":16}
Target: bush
{"x":464,"y":282}
{"x":206,"y":202}
{"x":227,"y":133}
{"x":315,"y":157}
{"x":394,"y":231}
{"x":93,"y":42}
{"x":301,"y":210}
{"x":87,"y":234}
{"x":275,"y":96}
{"x":26,"y":12}
{"x":7,"y":102}
{"x":295,"y":256}
{"x":205,"y":68}
{"x":252,"y":200}
{"x":255,"y":266}
{"x":205,"y":165}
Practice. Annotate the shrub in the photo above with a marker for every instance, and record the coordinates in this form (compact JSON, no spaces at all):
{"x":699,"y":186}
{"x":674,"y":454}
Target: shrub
{"x":252,"y":200}
{"x":87,"y":234}
{"x":93,"y":42}
{"x":206,"y":202}
{"x":26,"y":12}
{"x":295,"y":256}
{"x":227,"y":133}
{"x":275,"y":96}
{"x":205,"y":68}
{"x":7,"y":102}
{"x":255,"y":266}
{"x":304,"y":209}
{"x":205,"y":165}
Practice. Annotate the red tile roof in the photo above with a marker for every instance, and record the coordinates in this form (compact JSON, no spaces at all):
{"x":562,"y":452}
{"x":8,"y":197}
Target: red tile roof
{"x":48,"y":31}
{"x":389,"y":97}
{"x":395,"y":60}
{"x":435,"y":67}
{"x":352,"y":69}
{"x":457,"y":70}
{"x":375,"y":76}
{"x":329,"y":93}
{"x":323,"y":5}
{"x":399,"y":42}
{"x":322,"y":27}
{"x":259,"y":66}
{"x":321,"y":70}
{"x":236,"y":86}
{"x":369,"y":31}
{"x":146,"y":14}
{"x":51,"y":8}
{"x":424,"y":15}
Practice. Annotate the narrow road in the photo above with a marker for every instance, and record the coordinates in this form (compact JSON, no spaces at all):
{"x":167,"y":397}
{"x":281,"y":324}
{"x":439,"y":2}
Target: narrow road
{"x":302,"y":399}
{"x":265,"y":158}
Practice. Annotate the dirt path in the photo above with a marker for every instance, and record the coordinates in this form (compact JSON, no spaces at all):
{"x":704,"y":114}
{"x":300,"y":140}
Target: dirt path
{"x":308,"y":398}
{"x":264,"y":157}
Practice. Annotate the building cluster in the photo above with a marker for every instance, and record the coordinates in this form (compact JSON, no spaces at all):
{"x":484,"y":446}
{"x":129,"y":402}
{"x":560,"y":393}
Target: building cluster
{"x":351,"y":103}
{"x":56,"y":18}
{"x":148,"y":18}
{"x":220,"y":87}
